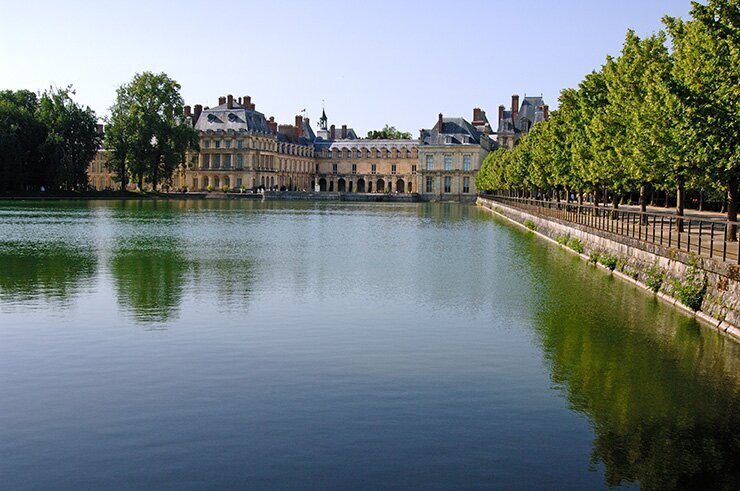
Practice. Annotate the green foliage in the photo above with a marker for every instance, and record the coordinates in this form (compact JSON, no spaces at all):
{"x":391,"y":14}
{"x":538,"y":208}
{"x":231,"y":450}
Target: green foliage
{"x":562,"y":239}
{"x":530,"y":225}
{"x":593,"y":257}
{"x":576,"y":244}
{"x":692,"y":288}
{"x":146,"y":135}
{"x":655,"y":277}
{"x":388,"y":133}
{"x":47,"y":141}
{"x":609,"y":261}
{"x":209,"y":188}
{"x":648,"y":118}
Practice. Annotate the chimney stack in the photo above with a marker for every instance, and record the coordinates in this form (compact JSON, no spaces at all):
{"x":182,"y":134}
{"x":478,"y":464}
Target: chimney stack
{"x":332,"y":132}
{"x":196,"y":114}
{"x":514,"y":107}
{"x":221,"y":100}
{"x":298,"y":126}
{"x":186,"y":111}
{"x":230,"y":101}
{"x":252,"y":106}
{"x":477,"y":116}
{"x":500,"y":113}
{"x":100,"y":129}
{"x":546,"y":111}
{"x":344,"y":131}
{"x":439,"y":124}
{"x":247,"y":101}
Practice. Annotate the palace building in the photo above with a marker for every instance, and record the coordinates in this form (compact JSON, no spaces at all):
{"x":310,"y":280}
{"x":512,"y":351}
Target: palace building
{"x":241,"y":149}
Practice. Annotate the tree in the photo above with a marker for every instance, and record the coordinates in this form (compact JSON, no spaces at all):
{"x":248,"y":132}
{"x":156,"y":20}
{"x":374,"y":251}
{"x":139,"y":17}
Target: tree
{"x":72,"y":139}
{"x":388,"y":133}
{"x":148,"y":135}
{"x":21,"y":139}
{"x":706,"y":78}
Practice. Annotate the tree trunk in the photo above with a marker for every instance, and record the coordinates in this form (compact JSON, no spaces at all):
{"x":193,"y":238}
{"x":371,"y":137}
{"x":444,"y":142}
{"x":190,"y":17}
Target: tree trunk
{"x":580,"y":197}
{"x":615,"y":205}
{"x":680,"y":191}
{"x":732,"y":210}
{"x":643,"y":204}
{"x":701,"y":200}
{"x":665,"y":204}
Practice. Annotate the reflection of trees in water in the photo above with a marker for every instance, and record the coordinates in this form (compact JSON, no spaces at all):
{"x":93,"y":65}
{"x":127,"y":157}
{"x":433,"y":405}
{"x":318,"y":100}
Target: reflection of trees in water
{"x":149,"y":274}
{"x":53,"y":271}
{"x":662,"y":395}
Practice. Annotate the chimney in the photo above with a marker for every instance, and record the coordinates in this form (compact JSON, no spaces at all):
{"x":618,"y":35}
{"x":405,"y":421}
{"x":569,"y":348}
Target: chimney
{"x":239,"y":101}
{"x":514,"y":107}
{"x":247,"y":101}
{"x":546,"y":111}
{"x":477,"y":116}
{"x":196,"y":114}
{"x":230,"y":101}
{"x":332,"y":132}
{"x":252,"y":106}
{"x":221,"y":100}
{"x":100,"y":129}
{"x":298,"y":126}
{"x":186,"y":111}
{"x":500,"y":113}
{"x":439,"y":124}
{"x":344,"y":131}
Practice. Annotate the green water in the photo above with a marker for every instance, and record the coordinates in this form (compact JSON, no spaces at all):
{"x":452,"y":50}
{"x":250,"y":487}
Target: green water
{"x":334,"y":345}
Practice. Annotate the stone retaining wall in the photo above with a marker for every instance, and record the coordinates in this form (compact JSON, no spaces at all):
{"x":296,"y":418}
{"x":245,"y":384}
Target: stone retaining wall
{"x":642,"y":263}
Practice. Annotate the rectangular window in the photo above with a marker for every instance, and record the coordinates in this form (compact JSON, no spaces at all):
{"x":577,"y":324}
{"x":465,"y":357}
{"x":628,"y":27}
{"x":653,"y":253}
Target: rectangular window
{"x":354,"y":168}
{"x":195,"y":183}
{"x":448,"y":161}
{"x":430,"y":162}
{"x":430,"y":182}
{"x":218,"y":143}
{"x":227,"y":161}
{"x":206,"y":144}
{"x":333,"y":168}
{"x":206,"y":160}
{"x":393,"y":169}
{"x":239,"y":161}
{"x":413,"y":168}
{"x":217,"y":161}
{"x":466,"y":184}
{"x":466,"y":162}
{"x":238,"y":182}
{"x":227,"y":143}
{"x":374,"y":169}
{"x":240,"y":144}
{"x":448,"y":184}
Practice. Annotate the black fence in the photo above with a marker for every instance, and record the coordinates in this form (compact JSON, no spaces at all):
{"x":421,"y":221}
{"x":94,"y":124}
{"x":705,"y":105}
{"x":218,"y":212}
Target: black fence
{"x":711,"y":237}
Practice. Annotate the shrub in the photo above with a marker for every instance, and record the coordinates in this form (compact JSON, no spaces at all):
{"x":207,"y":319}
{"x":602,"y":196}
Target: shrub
{"x":576,"y":244}
{"x":691,"y":290}
{"x":593,"y":257}
{"x":608,"y":260}
{"x":654,"y":278}
{"x":530,"y":224}
{"x":209,"y":188}
{"x":225,"y":188}
{"x":562,"y":239}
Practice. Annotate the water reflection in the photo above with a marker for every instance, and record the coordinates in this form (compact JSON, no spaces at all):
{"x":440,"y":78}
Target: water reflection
{"x":149,"y":274}
{"x":45,"y":270}
{"x":660,"y":391}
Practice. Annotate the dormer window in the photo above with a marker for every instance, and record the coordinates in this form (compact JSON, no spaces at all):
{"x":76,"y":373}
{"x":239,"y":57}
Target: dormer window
{"x":212,"y":118}
{"x":233,"y":117}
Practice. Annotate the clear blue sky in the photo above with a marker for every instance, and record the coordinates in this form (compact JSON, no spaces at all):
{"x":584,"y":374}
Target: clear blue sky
{"x":374,"y":62}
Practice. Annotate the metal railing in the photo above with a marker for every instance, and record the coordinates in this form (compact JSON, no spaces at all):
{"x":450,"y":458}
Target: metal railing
{"x":703,"y":236}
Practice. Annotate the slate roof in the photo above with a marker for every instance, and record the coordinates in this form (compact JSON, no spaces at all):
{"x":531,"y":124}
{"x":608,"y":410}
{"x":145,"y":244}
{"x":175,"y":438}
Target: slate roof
{"x":364,"y":143}
{"x":455,"y":131}
{"x":529,"y":110}
{"x":238,"y":118}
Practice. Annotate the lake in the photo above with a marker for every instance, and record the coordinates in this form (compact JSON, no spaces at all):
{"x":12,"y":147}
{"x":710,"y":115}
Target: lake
{"x":222,"y":344}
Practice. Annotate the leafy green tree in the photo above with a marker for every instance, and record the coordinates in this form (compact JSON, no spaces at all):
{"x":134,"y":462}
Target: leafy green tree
{"x":149,"y":136}
{"x":21,"y":140}
{"x":706,"y":75}
{"x":72,"y":138}
{"x":388,"y":133}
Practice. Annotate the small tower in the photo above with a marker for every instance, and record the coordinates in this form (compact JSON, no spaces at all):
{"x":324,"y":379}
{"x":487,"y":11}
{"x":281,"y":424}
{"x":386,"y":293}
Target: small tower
{"x":323,"y":120}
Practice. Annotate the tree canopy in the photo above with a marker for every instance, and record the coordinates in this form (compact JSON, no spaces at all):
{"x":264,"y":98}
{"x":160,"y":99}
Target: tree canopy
{"x":388,"y":133}
{"x":663,"y":115}
{"x":147,"y":136}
